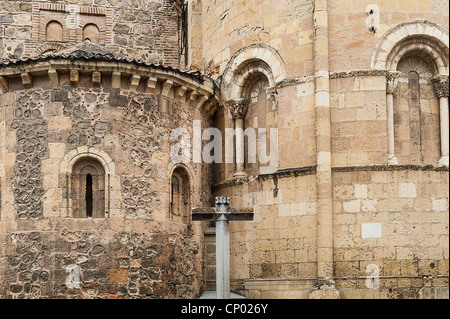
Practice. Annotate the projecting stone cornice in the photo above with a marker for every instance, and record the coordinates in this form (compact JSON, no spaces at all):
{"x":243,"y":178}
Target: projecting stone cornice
{"x":190,"y":88}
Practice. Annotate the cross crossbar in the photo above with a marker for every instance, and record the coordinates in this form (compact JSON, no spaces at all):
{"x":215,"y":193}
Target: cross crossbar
{"x":222,"y":214}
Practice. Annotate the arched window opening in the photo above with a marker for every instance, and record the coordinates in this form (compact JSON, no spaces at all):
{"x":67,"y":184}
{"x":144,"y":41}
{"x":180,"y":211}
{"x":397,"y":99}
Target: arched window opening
{"x":91,"y":33}
{"x":253,"y":97}
{"x":416,"y":112}
{"x":180,"y":196}
{"x":256,"y":118}
{"x":88,"y":189}
{"x":54,"y":32}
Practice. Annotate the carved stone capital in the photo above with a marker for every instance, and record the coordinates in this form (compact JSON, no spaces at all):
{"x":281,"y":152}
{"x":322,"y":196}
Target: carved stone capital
{"x":440,"y":85}
{"x":238,"y":108}
{"x":392,"y":82}
{"x":272,"y":94}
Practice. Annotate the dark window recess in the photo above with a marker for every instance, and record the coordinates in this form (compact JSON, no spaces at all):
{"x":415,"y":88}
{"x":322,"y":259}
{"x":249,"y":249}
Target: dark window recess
{"x":184,"y":32}
{"x":89,"y":195}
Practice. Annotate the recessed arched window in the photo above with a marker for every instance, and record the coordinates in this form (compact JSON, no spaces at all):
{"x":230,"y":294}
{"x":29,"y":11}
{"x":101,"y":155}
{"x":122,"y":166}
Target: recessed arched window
{"x":416,"y":112}
{"x":91,"y":33}
{"x":88,"y":189}
{"x":54,"y":31}
{"x":180,"y":196}
{"x":256,"y":117}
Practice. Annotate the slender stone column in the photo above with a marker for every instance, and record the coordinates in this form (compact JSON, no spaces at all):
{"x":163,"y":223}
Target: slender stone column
{"x":391,"y":87}
{"x":441,"y":86}
{"x":238,"y":109}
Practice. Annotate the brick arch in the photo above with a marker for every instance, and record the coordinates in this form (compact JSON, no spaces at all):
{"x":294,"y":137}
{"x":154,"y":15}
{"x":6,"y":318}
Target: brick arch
{"x":51,"y":27}
{"x":43,"y":23}
{"x":50,"y":46}
{"x":250,"y":60}
{"x":420,"y":36}
{"x":102,"y":29}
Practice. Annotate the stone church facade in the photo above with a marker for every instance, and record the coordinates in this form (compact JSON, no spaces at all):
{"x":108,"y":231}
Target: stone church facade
{"x":353,"y":97}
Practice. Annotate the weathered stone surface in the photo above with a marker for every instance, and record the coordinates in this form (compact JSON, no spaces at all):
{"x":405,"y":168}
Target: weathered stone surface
{"x":312,"y":70}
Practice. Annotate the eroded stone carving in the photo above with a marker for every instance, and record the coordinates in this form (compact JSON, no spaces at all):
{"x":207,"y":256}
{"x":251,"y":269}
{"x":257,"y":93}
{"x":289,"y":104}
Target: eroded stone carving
{"x":392,"y":82}
{"x":440,"y":85}
{"x":238,"y":108}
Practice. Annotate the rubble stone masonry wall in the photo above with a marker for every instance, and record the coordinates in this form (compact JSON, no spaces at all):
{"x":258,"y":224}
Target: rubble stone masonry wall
{"x":144,"y":30}
{"x":356,"y":207}
{"x":137,"y":249}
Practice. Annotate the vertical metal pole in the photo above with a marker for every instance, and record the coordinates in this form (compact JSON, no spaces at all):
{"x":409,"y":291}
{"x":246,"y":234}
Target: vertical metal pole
{"x":223,"y":258}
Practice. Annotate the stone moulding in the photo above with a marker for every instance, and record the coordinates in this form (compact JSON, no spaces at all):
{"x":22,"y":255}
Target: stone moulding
{"x":292,"y":81}
{"x":358,"y":73}
{"x":87,"y":152}
{"x":404,"y":167}
{"x":248,"y":61}
{"x":303,"y":171}
{"x":290,"y":172}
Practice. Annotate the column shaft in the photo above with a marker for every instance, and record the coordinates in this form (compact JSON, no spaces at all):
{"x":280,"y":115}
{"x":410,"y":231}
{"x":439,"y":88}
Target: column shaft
{"x":240,"y":147}
{"x":391,"y":87}
{"x":443,"y":102}
{"x":392,"y":159}
{"x":222,"y":258}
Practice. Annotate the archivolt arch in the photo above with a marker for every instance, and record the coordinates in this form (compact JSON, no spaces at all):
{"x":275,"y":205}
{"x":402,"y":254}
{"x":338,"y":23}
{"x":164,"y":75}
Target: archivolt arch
{"x":89,"y":155}
{"x":185,"y":166}
{"x":87,"y":152}
{"x":421,"y":37}
{"x":251,"y":60}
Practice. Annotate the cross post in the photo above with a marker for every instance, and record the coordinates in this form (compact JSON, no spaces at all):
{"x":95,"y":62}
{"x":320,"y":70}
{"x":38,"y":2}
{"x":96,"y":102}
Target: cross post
{"x":222,"y":214}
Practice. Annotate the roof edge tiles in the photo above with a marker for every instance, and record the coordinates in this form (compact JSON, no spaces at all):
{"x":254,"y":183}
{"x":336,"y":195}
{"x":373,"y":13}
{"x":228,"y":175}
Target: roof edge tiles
{"x":91,"y":51}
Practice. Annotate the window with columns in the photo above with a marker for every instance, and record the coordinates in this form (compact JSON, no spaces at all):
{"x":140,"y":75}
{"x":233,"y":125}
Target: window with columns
{"x":417,"y":103}
{"x":416,"y":114}
{"x":251,"y":113}
{"x":88,"y":189}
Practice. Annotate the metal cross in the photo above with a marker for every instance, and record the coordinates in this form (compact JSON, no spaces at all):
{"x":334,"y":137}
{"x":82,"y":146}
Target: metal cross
{"x":222,"y":214}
